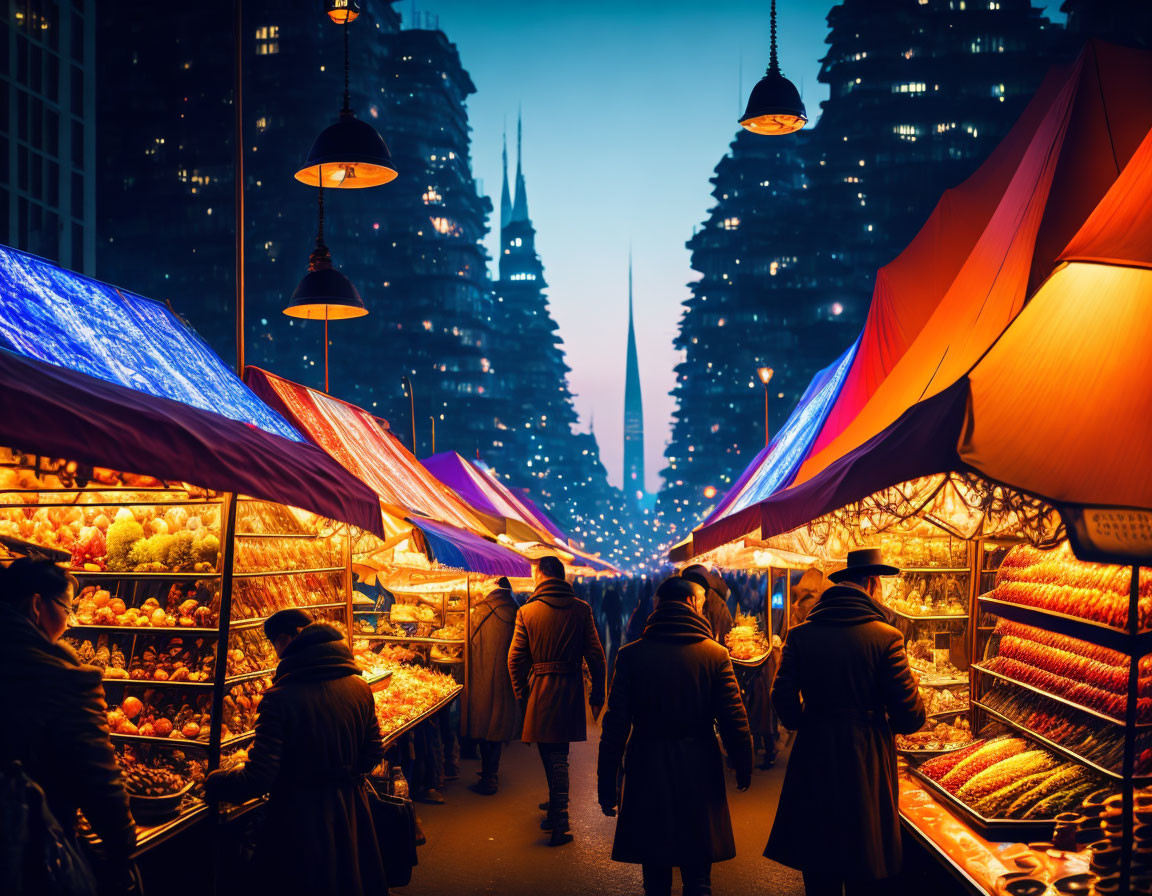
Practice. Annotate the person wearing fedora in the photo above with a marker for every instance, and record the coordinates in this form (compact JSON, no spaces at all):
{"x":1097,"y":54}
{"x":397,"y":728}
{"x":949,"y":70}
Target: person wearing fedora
{"x":845,"y":686}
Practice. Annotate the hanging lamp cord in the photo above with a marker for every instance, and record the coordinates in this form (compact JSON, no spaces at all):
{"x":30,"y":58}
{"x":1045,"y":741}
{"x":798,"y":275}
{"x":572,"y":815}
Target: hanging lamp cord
{"x":347,"y":98}
{"x":773,"y":64}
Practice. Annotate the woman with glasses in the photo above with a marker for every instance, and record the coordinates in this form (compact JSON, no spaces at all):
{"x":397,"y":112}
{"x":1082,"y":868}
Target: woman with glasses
{"x":55,"y":716}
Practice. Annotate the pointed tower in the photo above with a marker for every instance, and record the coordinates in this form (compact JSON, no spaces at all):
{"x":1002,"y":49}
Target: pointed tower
{"x":520,"y":203}
{"x":505,"y":201}
{"x":633,"y":410}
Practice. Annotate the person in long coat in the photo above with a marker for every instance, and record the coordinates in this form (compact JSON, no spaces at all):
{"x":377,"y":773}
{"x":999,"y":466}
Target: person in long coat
{"x":493,"y":713}
{"x":56,"y":725}
{"x":555,"y":634}
{"x":715,"y":611}
{"x":640,"y":612}
{"x":669,"y":688}
{"x":316,"y":737}
{"x":846,"y":688}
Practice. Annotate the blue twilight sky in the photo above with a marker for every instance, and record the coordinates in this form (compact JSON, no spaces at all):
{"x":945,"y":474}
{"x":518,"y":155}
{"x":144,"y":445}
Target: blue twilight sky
{"x":627,"y":107}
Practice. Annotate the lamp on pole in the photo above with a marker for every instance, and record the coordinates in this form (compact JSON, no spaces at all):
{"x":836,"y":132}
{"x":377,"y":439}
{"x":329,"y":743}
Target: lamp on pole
{"x":765,"y":374}
{"x":432,"y":417}
{"x":411,"y":408}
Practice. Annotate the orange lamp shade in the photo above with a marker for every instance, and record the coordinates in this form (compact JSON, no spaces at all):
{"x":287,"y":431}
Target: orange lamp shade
{"x":774,"y":125}
{"x":342,"y":12}
{"x":352,"y":155}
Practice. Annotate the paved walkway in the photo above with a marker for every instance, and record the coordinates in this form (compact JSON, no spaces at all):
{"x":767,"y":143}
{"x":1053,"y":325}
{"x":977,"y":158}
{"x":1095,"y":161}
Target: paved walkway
{"x":482,"y":845}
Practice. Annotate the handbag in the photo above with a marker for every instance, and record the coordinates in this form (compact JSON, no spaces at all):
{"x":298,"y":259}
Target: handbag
{"x":37,"y":856}
{"x":395,"y":822}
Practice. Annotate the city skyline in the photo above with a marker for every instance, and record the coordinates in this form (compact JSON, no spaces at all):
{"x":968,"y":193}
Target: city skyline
{"x":651,"y":185}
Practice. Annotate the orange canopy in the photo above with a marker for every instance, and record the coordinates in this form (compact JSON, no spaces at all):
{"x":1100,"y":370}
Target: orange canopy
{"x":1093,"y":125}
{"x":1061,"y":406}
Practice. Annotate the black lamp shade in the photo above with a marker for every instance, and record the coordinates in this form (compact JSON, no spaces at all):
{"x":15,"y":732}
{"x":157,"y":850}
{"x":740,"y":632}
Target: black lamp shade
{"x":353,"y":155}
{"x":342,"y":12}
{"x":774,"y":107}
{"x":326,"y":294}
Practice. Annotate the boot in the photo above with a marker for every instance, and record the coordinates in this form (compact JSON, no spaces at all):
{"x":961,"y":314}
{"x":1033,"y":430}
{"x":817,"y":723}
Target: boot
{"x":544,"y":806}
{"x":559,"y":838}
{"x":486,"y":786}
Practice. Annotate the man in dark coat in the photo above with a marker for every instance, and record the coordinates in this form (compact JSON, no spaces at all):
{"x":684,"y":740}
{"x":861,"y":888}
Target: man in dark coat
{"x":493,"y":713}
{"x":845,"y":686}
{"x":641,"y":611}
{"x":715,"y":602}
{"x":316,"y":737}
{"x":668,"y":689}
{"x":555,"y":632}
{"x":57,"y":725}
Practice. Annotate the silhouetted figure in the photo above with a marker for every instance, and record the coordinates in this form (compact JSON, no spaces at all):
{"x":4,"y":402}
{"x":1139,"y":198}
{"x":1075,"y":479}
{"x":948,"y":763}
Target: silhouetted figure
{"x":845,"y":686}
{"x":316,"y":738}
{"x":670,"y":688}
{"x":554,"y":634}
{"x":493,"y":713}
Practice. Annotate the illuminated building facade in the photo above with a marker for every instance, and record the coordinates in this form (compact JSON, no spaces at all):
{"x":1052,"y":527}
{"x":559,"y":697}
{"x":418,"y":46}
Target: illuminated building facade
{"x":47,"y":131}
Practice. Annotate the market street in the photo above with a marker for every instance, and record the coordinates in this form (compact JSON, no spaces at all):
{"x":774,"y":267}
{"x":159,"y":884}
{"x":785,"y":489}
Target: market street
{"x":480,"y":845}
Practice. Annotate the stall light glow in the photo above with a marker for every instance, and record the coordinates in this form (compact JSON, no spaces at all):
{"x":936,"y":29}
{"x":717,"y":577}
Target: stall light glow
{"x":71,"y":321}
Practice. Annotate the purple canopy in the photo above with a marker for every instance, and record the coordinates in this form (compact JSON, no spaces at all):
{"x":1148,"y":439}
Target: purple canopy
{"x":458,"y":549}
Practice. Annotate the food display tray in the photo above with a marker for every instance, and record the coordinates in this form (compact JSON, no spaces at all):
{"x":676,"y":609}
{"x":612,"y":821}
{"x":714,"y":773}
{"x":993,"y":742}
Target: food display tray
{"x":754,"y":661}
{"x":928,"y":754}
{"x":1001,"y":829}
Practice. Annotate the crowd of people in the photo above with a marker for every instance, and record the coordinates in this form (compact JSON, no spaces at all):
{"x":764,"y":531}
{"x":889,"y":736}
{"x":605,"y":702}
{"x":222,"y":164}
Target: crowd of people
{"x":675,"y":714}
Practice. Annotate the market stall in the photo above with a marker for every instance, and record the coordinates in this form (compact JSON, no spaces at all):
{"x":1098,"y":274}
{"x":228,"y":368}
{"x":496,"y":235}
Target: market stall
{"x":1001,"y":449}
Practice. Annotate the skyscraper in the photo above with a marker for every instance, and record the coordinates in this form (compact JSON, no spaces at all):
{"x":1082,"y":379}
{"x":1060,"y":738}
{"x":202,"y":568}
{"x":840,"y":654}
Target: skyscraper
{"x":47,"y":131}
{"x":920,"y":92}
{"x":633,"y":410}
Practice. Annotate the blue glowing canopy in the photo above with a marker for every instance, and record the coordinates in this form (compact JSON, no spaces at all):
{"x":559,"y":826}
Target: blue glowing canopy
{"x":69,"y":320}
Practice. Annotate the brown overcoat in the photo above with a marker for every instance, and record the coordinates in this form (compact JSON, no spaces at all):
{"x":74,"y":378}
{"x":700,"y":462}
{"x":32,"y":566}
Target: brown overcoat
{"x":554,"y":633}
{"x":316,"y":736}
{"x":668,"y":689}
{"x":493,"y":713}
{"x":845,"y":686}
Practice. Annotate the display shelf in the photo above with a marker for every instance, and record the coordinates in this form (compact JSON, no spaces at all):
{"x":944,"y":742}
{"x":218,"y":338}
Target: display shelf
{"x":1057,"y":748}
{"x":939,"y":682}
{"x":296,"y":535}
{"x":979,"y":667}
{"x":405,"y":640}
{"x":930,"y":569}
{"x":447,"y":660}
{"x":237,"y":739}
{"x":152,"y":683}
{"x":152,"y":835}
{"x":915,"y":617}
{"x":177,"y":743}
{"x":993,"y":828}
{"x":253,"y":621}
{"x":230,"y":680}
{"x":1072,"y":626}
{"x":232,"y":811}
{"x":381,"y":678}
{"x":99,"y":574}
{"x":391,"y":737}
{"x":169,"y":630}
{"x":272,"y":573}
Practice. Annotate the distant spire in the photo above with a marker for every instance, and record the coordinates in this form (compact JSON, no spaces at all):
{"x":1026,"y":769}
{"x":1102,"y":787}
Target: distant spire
{"x":520,"y":203}
{"x":633,"y":407}
{"x":505,"y":202}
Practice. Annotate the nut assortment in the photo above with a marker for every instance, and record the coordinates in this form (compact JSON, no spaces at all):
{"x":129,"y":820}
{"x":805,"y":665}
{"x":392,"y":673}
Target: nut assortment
{"x":745,"y":641}
{"x":936,"y":736}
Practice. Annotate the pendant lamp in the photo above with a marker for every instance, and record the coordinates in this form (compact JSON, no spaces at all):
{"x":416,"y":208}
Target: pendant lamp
{"x":324,"y":293}
{"x":351,"y":152}
{"x":775,"y":106}
{"x":342,"y":11}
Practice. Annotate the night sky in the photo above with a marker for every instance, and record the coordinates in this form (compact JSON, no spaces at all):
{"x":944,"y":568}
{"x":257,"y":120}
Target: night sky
{"x":627,"y":109}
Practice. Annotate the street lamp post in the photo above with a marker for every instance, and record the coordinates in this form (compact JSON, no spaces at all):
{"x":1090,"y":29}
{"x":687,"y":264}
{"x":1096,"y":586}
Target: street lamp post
{"x":765,"y":374}
{"x":411,"y":408}
{"x":433,"y":419}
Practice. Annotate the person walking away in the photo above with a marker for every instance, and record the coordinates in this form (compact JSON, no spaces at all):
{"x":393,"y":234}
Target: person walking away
{"x":669,"y":689}
{"x":613,"y":611}
{"x":493,"y":713}
{"x":57,"y":725}
{"x":316,"y":738}
{"x":845,"y":686}
{"x":641,"y":611}
{"x":715,"y":611}
{"x":554,"y":633}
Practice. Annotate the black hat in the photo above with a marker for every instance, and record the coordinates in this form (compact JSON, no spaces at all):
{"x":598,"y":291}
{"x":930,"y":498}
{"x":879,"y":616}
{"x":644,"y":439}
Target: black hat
{"x":503,"y":582}
{"x":681,"y":588}
{"x":698,"y":574}
{"x":864,"y":562}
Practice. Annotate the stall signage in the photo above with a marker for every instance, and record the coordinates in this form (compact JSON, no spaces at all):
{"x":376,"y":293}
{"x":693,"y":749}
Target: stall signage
{"x":1116,"y":532}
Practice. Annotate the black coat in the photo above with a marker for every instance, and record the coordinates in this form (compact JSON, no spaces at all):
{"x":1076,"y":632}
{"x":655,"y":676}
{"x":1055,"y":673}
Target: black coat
{"x":56,"y":725}
{"x":316,"y":736}
{"x":716,"y":612}
{"x":555,"y":632}
{"x":667,"y":690}
{"x":493,"y":713}
{"x":845,"y":686}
